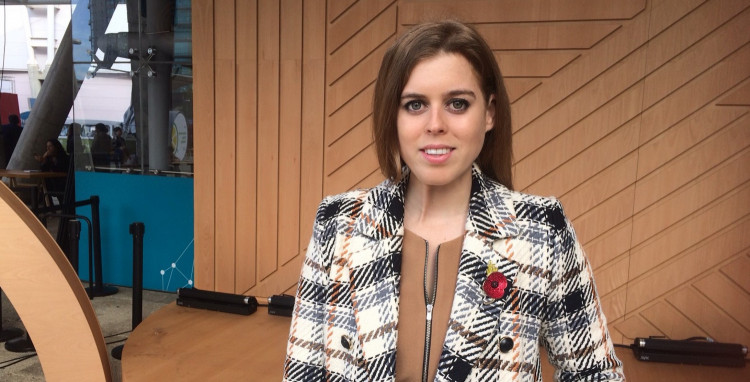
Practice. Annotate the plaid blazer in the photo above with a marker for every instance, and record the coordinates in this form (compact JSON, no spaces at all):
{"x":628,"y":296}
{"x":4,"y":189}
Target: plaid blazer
{"x":345,"y":318}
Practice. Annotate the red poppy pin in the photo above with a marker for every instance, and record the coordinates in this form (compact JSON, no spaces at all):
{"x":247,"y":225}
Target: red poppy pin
{"x":495,"y":283}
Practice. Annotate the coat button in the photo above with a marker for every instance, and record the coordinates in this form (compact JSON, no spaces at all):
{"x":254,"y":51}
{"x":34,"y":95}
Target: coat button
{"x":346,"y":342}
{"x":506,"y":343}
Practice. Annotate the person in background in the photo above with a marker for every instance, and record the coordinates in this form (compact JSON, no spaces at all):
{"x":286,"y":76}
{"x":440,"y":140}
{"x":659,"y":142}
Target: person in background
{"x":54,"y":159}
{"x":443,"y":272}
{"x":11,"y":132}
{"x":119,"y":151}
{"x":101,"y":147}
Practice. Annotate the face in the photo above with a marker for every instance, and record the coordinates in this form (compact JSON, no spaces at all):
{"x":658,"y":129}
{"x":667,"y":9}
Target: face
{"x":442,"y":120}
{"x":50,"y":147}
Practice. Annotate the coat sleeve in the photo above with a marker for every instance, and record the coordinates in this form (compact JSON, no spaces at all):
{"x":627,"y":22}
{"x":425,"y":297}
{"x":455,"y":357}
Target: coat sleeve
{"x":305,"y":355}
{"x":575,"y":330}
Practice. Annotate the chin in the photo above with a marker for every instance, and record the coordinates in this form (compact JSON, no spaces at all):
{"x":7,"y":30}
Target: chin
{"x":437,"y":177}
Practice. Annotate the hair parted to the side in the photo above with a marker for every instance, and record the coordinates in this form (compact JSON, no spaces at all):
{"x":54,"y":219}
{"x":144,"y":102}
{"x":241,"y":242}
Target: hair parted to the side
{"x":425,"y":41}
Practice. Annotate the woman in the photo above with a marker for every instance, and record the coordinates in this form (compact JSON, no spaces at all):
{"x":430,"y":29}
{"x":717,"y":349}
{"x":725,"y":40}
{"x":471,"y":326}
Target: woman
{"x":54,"y":158}
{"x":442,"y":272}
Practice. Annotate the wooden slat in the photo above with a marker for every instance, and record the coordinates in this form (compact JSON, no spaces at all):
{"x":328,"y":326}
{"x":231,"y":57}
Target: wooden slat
{"x":533,"y":64}
{"x":610,"y":245}
{"x":247,"y":144}
{"x":739,"y":96}
{"x":580,"y":104}
{"x":350,"y":23}
{"x":695,"y":59}
{"x":591,"y":130}
{"x":671,"y":322}
{"x":725,"y":177}
{"x":360,"y":78}
{"x":600,"y":187}
{"x":696,"y":94}
{"x":738,"y":270}
{"x":290,"y":129}
{"x":662,"y":277}
{"x":268,"y":137}
{"x":203,"y":144}
{"x":477,"y":11}
{"x":337,"y":7}
{"x":554,"y":36}
{"x":313,"y":119}
{"x":691,"y":29}
{"x":352,"y":172}
{"x":226,"y":150}
{"x":605,"y":216}
{"x":635,"y":326}
{"x":353,"y":112}
{"x":375,"y":32}
{"x":701,"y":158}
{"x":727,"y":296}
{"x":349,"y":145}
{"x":631,"y":36}
{"x":717,"y":324}
{"x":683,"y":136}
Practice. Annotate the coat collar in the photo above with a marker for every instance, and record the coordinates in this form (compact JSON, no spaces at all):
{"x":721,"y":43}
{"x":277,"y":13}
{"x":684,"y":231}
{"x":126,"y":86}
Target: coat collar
{"x":491,"y":213}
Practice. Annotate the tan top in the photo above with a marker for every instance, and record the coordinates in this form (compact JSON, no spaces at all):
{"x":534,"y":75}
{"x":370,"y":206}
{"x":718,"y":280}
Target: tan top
{"x":412,"y":310}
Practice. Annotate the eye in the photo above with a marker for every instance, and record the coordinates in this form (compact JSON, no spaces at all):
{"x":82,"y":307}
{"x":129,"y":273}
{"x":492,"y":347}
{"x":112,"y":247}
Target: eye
{"x":458,"y":104}
{"x":413,"y":106}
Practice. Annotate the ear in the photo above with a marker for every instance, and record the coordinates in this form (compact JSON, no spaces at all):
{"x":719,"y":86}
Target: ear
{"x":490,"y":114}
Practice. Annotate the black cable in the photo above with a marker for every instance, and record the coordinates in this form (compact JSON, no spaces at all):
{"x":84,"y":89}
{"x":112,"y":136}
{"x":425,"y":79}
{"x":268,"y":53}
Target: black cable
{"x":118,"y":334}
{"x":623,"y":346}
{"x":14,"y":361}
{"x":114,"y":342}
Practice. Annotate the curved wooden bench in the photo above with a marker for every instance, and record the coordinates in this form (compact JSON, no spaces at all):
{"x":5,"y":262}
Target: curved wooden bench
{"x":49,"y":297}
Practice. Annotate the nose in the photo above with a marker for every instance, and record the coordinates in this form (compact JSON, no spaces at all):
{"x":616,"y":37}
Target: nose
{"x":436,"y":124}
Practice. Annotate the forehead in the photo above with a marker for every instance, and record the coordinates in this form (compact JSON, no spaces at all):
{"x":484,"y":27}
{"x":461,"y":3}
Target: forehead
{"x":443,"y":70}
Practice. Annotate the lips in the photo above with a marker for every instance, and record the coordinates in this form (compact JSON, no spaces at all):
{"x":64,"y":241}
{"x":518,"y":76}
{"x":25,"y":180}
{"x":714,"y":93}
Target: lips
{"x":436,"y":154}
{"x":441,"y":151}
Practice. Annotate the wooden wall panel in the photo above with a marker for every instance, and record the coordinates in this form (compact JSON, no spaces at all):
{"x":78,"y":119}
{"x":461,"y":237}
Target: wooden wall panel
{"x":245,"y":229}
{"x":203,"y":143}
{"x":636,"y":114}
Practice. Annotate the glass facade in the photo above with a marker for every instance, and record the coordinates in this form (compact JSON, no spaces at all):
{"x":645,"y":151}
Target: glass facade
{"x":133,"y":111}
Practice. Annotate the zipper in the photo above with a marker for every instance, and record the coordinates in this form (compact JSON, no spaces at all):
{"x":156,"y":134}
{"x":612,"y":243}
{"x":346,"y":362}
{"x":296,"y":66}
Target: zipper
{"x":429,"y":305}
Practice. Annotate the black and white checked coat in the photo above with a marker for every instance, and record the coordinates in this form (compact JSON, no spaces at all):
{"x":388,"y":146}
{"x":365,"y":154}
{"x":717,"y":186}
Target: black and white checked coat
{"x":345,"y":319}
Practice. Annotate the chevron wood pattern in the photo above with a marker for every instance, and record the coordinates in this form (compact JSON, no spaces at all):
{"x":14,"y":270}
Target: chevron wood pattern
{"x":635,"y":113}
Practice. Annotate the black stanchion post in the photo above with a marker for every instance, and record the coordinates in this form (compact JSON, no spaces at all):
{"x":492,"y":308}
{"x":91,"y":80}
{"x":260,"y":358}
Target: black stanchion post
{"x":99,"y":288}
{"x":74,"y":232}
{"x":137,"y":230}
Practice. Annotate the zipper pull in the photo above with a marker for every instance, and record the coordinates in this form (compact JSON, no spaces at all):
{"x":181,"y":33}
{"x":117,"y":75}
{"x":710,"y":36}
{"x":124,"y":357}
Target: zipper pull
{"x":429,"y":312}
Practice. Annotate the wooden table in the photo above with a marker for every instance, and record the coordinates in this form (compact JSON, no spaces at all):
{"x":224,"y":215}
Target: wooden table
{"x":177,"y":343}
{"x":37,"y":176}
{"x":186,"y":344}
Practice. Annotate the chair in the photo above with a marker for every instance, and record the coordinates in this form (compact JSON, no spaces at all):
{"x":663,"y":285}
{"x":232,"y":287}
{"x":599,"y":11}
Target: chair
{"x":48,"y":296}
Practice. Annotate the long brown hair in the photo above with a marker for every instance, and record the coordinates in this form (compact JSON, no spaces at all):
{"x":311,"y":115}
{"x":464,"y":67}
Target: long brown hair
{"x":425,"y":41}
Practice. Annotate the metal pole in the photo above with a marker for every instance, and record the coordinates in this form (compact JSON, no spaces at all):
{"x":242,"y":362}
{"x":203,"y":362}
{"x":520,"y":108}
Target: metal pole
{"x":74,"y":230}
{"x":137,"y":230}
{"x":99,"y":288}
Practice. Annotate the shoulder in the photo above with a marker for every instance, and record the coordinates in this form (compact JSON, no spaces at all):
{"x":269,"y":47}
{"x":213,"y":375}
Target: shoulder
{"x":532,"y":209}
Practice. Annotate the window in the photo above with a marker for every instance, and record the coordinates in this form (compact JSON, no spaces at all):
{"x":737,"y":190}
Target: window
{"x":133,"y":65}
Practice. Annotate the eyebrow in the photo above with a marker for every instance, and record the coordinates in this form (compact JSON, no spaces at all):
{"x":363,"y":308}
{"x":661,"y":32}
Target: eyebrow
{"x":450,"y":94}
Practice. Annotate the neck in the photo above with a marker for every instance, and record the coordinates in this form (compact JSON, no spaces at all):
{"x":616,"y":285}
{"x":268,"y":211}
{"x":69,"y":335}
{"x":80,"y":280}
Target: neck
{"x":437,"y":213}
